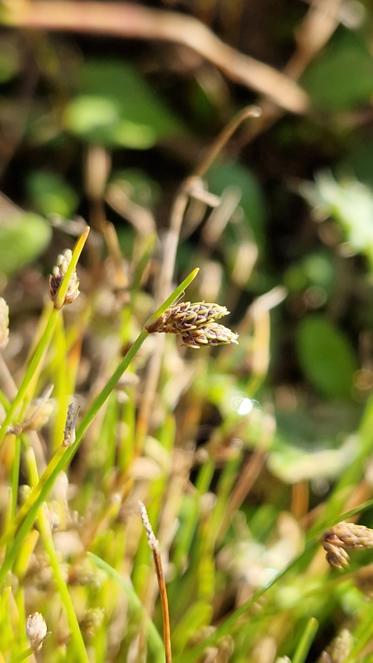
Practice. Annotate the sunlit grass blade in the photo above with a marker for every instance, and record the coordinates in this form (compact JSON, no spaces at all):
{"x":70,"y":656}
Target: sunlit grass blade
{"x":64,"y":455}
{"x":46,"y":337}
{"x":306,"y":640}
{"x":135,"y":606}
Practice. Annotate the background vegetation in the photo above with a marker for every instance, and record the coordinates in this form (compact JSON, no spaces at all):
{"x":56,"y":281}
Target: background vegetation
{"x":243,"y":455}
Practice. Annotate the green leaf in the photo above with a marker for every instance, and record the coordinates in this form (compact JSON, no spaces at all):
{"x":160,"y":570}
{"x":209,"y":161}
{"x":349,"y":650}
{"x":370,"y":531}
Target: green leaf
{"x":116,"y":107}
{"x":50,"y":194}
{"x":341,"y":78}
{"x":232,"y":174}
{"x":350,"y":203}
{"x":326,"y":357}
{"x":23,"y":237}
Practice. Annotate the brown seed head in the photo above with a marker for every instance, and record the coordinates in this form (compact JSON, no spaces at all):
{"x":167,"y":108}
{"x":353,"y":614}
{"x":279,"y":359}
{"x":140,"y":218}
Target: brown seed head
{"x":56,"y":278}
{"x":212,"y":334}
{"x":187,"y":316}
{"x":4,"y":323}
{"x":345,"y":537}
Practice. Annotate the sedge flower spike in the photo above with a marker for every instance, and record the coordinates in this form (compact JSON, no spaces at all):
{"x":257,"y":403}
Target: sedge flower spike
{"x":56,"y":278}
{"x":343,"y":538}
{"x":195,"y":324}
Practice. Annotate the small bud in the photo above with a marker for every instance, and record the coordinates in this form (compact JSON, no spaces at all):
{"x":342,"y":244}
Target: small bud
{"x":71,"y":419}
{"x":345,"y":537}
{"x":36,"y":630}
{"x":56,"y":278}
{"x":4,"y":323}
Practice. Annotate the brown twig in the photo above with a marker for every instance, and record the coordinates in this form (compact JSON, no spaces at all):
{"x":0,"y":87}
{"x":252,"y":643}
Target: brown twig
{"x":312,"y":35}
{"x":154,"y":546}
{"x":134,"y":21}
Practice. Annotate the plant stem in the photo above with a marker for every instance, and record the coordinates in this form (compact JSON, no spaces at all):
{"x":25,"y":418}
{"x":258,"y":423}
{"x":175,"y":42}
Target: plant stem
{"x":80,"y":653}
{"x":64,"y":455}
{"x":45,"y":338}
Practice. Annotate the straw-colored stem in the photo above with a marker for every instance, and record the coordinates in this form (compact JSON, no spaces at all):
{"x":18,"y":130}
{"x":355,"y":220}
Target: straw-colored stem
{"x":154,"y":546}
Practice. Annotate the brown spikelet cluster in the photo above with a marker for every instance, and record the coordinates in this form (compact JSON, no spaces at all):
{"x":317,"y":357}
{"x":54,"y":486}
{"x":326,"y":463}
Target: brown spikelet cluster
{"x":195,"y":324}
{"x":56,"y":278}
{"x":343,"y":538}
{"x":69,"y":435}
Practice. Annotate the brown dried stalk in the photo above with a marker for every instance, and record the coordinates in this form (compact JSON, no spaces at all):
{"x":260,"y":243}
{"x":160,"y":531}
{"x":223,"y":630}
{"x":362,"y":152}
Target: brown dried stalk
{"x":345,"y":537}
{"x":312,"y":35}
{"x":154,"y":546}
{"x":136,"y":22}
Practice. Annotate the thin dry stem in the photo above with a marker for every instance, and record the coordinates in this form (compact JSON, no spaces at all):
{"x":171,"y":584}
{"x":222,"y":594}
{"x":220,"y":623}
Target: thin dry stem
{"x":154,"y":546}
{"x":135,"y":22}
{"x":313,"y":34}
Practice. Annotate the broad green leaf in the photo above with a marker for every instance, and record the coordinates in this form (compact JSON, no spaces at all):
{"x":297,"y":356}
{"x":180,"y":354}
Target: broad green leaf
{"x":50,"y":194}
{"x":326,"y":357}
{"x":232,"y":174}
{"x":116,"y":107}
{"x":350,"y":203}
{"x":342,"y":77}
{"x":23,"y":237}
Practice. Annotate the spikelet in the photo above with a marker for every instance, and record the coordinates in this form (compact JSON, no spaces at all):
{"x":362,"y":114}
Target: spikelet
{"x":187,"y":316}
{"x":4,"y":323}
{"x":195,"y":324}
{"x":211,"y":334}
{"x":36,"y":630}
{"x":69,"y":435}
{"x":56,"y":278}
{"x":345,"y":537}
